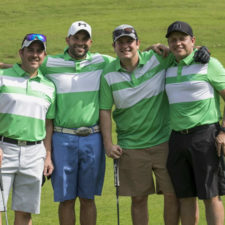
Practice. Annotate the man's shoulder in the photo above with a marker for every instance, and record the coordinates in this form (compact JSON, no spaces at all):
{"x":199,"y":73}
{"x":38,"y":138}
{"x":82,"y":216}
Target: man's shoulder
{"x":102,"y":57}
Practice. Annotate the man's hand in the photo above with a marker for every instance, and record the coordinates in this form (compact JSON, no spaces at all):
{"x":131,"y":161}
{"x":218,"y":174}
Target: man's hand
{"x":159,"y":49}
{"x":114,"y":151}
{"x":220,"y":143}
{"x":202,"y":55}
{"x":48,"y":166}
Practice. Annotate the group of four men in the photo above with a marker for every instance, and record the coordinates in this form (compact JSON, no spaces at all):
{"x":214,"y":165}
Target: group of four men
{"x":139,"y":84}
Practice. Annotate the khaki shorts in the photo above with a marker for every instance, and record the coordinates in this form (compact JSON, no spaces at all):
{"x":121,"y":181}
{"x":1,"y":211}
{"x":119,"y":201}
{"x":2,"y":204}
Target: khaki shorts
{"x":22,"y":169}
{"x":136,"y":168}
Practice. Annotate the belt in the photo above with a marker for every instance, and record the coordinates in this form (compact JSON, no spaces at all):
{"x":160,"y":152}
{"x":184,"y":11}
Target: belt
{"x":193,"y":129}
{"x":19,"y":142}
{"x":81,"y":131}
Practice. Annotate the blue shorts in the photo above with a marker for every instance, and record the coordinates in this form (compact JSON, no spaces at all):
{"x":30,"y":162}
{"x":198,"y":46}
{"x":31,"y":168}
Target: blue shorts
{"x":79,"y":164}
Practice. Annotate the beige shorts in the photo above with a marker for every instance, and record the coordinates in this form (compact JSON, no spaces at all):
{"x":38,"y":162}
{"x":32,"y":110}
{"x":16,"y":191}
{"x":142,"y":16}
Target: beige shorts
{"x":22,"y":169}
{"x":136,"y":169}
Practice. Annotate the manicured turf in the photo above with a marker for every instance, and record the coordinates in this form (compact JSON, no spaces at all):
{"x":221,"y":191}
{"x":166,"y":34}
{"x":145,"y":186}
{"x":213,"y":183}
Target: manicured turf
{"x":150,"y":18}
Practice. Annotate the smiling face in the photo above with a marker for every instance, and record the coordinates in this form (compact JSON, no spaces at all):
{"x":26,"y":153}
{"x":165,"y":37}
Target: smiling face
{"x":32,"y":57}
{"x":79,"y":44}
{"x":126,"y":48}
{"x":181,"y":45}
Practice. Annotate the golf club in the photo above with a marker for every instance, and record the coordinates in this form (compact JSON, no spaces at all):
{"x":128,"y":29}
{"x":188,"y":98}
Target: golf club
{"x":3,"y":198}
{"x":117,"y":184}
{"x":222,"y":164}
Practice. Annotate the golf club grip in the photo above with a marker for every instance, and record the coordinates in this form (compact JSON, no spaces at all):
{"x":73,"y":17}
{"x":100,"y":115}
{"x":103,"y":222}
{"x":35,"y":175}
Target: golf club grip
{"x":116,"y":172}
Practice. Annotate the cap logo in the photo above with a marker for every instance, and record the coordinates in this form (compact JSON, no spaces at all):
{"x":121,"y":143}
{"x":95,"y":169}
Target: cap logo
{"x":176,"y":27}
{"x":82,"y":24}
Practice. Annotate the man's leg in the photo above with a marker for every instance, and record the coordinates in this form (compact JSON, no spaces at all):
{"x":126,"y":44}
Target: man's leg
{"x":171,"y":209}
{"x":88,"y":212}
{"x":22,"y":218}
{"x":189,"y":212}
{"x":139,"y":210}
{"x":214,"y":211}
{"x":67,"y":213}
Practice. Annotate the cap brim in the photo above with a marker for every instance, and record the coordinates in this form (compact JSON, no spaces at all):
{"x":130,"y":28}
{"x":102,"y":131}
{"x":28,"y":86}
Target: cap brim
{"x":28,"y":43}
{"x":125,"y":35}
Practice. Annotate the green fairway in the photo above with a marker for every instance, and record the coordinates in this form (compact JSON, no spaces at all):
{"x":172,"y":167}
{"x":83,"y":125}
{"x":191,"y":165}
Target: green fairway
{"x":150,"y":18}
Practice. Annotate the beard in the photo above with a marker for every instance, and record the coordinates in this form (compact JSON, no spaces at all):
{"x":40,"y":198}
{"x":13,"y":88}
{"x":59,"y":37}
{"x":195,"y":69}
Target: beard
{"x":78,"y":52}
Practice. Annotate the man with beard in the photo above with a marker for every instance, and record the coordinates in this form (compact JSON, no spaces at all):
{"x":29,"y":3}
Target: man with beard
{"x":78,"y":153}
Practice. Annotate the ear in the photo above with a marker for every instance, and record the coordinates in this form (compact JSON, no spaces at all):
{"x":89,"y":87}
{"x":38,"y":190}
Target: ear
{"x":21,"y":52}
{"x":67,"y":40}
{"x":193,"y":39}
{"x":138,"y":43}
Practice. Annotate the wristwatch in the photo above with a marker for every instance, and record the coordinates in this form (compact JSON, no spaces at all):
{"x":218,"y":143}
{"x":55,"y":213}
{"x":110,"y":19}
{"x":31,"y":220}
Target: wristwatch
{"x":222,"y":129}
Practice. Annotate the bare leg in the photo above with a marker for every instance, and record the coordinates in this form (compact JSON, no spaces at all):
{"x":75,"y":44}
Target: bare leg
{"x":214,"y":211}
{"x":67,"y":213}
{"x":22,"y":218}
{"x":189,"y":211}
{"x":139,"y":210}
{"x":171,"y":209}
{"x":88,"y":212}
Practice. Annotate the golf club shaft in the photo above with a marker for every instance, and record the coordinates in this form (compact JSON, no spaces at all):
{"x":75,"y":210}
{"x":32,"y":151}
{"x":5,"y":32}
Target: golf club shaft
{"x":3,"y":198}
{"x":117,"y":184}
{"x":222,"y":163}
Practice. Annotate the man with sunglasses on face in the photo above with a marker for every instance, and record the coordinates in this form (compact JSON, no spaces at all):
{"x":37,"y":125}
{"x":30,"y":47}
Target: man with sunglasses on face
{"x":78,"y":153}
{"x":27,"y":106}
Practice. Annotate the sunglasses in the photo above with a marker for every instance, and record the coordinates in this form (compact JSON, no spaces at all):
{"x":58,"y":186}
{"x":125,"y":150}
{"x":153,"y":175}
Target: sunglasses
{"x":128,"y":30}
{"x":31,"y":37}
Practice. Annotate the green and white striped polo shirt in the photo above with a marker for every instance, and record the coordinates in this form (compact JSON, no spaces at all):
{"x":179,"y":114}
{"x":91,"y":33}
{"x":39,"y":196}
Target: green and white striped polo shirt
{"x":77,"y":86}
{"x":193,"y":92}
{"x":141,"y":106}
{"x":25,"y":103}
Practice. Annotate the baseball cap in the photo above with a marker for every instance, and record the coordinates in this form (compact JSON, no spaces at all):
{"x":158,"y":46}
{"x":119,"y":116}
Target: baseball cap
{"x":180,"y":27}
{"x":77,"y":26}
{"x":30,"y":38}
{"x":124,"y":30}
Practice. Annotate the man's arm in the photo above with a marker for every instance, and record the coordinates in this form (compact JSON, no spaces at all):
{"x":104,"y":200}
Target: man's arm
{"x":112,"y":151}
{"x":159,"y":49}
{"x":220,"y":139}
{"x":5,"y":66}
{"x":48,"y":166}
{"x":1,"y":157}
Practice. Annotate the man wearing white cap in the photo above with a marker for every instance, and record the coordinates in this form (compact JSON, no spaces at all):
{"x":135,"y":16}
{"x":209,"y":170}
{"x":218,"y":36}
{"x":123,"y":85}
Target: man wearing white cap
{"x":78,"y":153}
{"x":27,"y":106}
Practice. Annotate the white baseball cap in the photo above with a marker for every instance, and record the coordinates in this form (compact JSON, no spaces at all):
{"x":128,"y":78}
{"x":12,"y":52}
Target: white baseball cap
{"x":78,"y":26}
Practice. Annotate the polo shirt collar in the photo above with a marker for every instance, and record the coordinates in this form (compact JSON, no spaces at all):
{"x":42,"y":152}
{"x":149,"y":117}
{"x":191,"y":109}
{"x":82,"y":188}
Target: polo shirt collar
{"x":140,"y":63}
{"x":20,"y":72}
{"x":68,"y":57}
{"x":187,"y":60}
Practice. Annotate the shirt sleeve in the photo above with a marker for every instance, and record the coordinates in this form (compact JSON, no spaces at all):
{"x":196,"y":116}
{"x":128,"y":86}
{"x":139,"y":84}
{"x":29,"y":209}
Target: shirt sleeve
{"x":106,"y":97}
{"x":52,"y":107}
{"x":216,"y":74}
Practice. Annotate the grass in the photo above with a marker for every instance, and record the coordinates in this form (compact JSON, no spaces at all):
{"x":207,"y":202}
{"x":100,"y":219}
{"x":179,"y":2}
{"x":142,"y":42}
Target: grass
{"x":150,"y":18}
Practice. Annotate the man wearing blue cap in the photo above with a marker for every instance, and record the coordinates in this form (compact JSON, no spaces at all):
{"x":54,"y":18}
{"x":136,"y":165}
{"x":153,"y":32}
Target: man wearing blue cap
{"x":27,"y":106}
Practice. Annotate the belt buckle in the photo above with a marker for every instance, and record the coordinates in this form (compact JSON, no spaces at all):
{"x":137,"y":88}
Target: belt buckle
{"x":184,"y":131}
{"x":22,"y":143}
{"x":83,"y":131}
